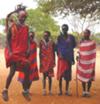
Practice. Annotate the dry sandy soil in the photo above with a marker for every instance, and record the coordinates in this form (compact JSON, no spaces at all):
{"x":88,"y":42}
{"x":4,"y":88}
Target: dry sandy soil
{"x":15,"y":90}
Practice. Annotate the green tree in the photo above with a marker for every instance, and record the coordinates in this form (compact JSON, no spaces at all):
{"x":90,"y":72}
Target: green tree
{"x":85,"y":13}
{"x":2,"y":21}
{"x":40,"y":21}
{"x":82,"y":7}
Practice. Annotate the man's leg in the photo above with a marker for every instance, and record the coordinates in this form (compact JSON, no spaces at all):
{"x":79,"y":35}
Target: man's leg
{"x":60,"y":86}
{"x":67,"y":88}
{"x":84,"y":89}
{"x":68,"y":77}
{"x":89,"y":84}
{"x":8,"y":81}
{"x":50,"y":85}
{"x":26,"y":83}
{"x":26,"y":80}
{"x":84,"y":86}
{"x":44,"y":83}
{"x":29,"y":85}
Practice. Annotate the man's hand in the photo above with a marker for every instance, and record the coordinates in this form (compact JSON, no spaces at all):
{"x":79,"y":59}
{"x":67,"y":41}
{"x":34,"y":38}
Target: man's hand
{"x":77,"y":58}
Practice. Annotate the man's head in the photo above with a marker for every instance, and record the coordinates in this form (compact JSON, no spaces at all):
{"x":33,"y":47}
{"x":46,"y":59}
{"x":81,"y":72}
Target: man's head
{"x":32,"y":35}
{"x":47,"y":35}
{"x":22,"y":14}
{"x":87,"y":34}
{"x":64,"y":29}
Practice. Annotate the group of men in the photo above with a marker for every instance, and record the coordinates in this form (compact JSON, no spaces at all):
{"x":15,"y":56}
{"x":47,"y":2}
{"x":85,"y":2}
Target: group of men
{"x":21,"y":55}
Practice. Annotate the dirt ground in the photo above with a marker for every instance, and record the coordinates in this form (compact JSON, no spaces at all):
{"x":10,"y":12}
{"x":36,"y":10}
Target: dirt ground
{"x":15,"y":90}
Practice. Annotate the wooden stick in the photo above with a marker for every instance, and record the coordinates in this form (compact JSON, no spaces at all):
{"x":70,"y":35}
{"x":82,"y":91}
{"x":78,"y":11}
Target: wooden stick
{"x":77,"y":94}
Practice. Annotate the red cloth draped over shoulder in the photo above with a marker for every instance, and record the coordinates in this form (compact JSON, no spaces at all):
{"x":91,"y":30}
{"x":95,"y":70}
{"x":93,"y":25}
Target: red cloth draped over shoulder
{"x":87,"y":60}
{"x":19,"y":45}
{"x":33,"y":69}
{"x":47,"y":57}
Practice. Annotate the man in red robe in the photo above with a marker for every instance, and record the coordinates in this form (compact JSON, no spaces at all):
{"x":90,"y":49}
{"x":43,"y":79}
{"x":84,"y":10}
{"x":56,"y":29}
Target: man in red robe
{"x":17,"y":51}
{"x":33,"y":69}
{"x":47,"y":60}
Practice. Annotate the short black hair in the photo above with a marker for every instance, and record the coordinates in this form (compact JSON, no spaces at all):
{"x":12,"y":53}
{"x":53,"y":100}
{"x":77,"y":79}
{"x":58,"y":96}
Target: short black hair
{"x":65,"y":25}
{"x":88,"y":31}
{"x":48,"y":32}
{"x":20,"y":7}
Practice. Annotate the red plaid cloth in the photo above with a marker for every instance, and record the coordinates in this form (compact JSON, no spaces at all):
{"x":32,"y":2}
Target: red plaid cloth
{"x":33,"y":70}
{"x":47,"y":57}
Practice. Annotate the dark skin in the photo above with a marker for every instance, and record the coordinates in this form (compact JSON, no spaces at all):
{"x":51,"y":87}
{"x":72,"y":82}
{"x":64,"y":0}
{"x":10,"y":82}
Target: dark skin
{"x":13,"y":65}
{"x":46,"y":38}
{"x":86,"y":35}
{"x":31,"y":35}
{"x":65,"y":31}
{"x":65,"y":36}
{"x":86,"y":86}
{"x":49,"y":81}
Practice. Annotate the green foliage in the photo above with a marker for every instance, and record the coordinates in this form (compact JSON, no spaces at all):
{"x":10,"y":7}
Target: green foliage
{"x":40,"y":21}
{"x":2,"y":40}
{"x":82,"y":7}
{"x":78,"y":37}
{"x":96,"y":37}
{"x":2,"y":21}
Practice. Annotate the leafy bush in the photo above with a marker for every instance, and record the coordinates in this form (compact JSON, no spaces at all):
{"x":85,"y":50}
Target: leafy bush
{"x":2,"y":40}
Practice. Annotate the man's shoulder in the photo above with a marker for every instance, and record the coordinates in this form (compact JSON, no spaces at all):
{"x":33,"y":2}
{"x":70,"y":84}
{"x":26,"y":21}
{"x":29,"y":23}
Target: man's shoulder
{"x":59,"y":37}
{"x":71,"y":35}
{"x":13,"y":27}
{"x":13,"y":24}
{"x":93,"y":42}
{"x":26,"y":26}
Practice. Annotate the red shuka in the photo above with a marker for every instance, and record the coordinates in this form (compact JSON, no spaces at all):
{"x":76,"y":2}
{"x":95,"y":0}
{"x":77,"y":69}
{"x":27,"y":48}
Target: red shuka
{"x":19,"y":45}
{"x":33,"y":70}
{"x":47,"y":57}
{"x":62,"y":67}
